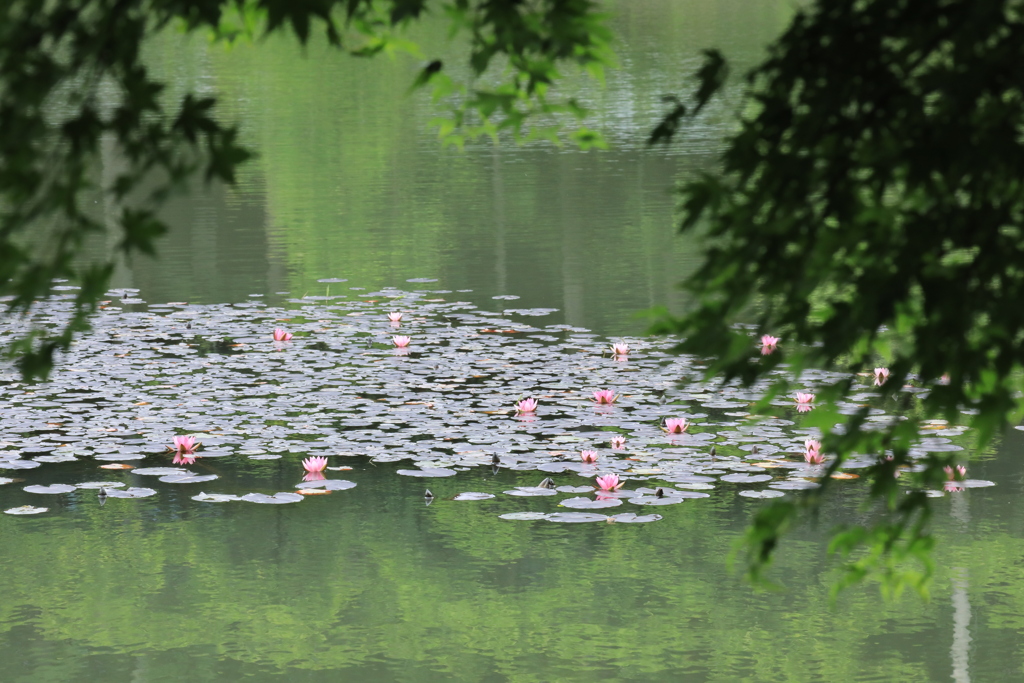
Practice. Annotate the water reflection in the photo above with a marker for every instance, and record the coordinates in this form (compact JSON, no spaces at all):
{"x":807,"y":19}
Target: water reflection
{"x":351,"y":182}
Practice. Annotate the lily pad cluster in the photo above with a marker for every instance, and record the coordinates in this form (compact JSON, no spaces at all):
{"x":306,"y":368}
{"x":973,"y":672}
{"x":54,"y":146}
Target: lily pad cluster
{"x":336,"y":386}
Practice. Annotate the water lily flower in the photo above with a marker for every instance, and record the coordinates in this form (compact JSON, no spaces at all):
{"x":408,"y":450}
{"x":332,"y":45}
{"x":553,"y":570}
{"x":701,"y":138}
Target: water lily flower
{"x":620,"y":349}
{"x":282,"y":335}
{"x":395,"y":316}
{"x":609,"y":482}
{"x":401,"y":341}
{"x":812,"y":452}
{"x":676,"y":425}
{"x":315,"y":463}
{"x":605,"y":396}
{"x":803,"y":402}
{"x":527,"y":405}
{"x":589,"y":457}
{"x":618,"y":442}
{"x":881,"y":374}
{"x":768,"y":344}
{"x":185,"y":445}
{"x":959,"y":472}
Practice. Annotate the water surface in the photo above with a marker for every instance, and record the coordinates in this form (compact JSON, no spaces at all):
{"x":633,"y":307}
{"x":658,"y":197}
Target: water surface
{"x":372,"y":584}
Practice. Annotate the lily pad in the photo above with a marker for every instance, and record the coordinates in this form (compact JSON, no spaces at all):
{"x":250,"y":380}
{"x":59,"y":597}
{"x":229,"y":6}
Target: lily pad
{"x":768,"y":493}
{"x":52,"y":488}
{"x":794,"y":485}
{"x":975,"y":483}
{"x":215,"y":498}
{"x":429,"y":472}
{"x":19,"y":465}
{"x":160,"y":471}
{"x":276,"y":499}
{"x":576,"y":517}
{"x":746,"y":478}
{"x":588,"y":504}
{"x":524,"y":516}
{"x":139,"y":492}
{"x":188,"y":478}
{"x":25,"y":510}
{"x":696,"y":486}
{"x":328,"y":484}
{"x":101,"y":485}
{"x":473,"y":495}
{"x":633,"y":518}
{"x":55,"y":458}
{"x":531,"y":491}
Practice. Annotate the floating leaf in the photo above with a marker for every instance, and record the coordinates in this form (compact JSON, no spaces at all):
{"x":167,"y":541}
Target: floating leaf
{"x":429,"y":472}
{"x":791,"y":485}
{"x":160,"y":471}
{"x":526,"y":516}
{"x":576,"y":517}
{"x":746,"y":478}
{"x":762,"y":494}
{"x":19,"y":465}
{"x":588,"y":504}
{"x":215,"y":498}
{"x":633,"y":518}
{"x":531,"y":491}
{"x":139,"y":492}
{"x":328,"y":484}
{"x":52,"y":488}
{"x":25,"y":510}
{"x":473,"y":495}
{"x":187,"y":478}
{"x":276,"y":499}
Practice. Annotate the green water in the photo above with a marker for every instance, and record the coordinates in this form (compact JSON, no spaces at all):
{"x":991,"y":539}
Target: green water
{"x":375,"y":585}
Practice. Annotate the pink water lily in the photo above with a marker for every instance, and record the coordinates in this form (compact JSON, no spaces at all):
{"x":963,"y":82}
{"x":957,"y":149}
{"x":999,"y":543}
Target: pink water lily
{"x":768,"y":344}
{"x":395,"y":316}
{"x":803,"y":402}
{"x":620,"y":349}
{"x":401,"y":341}
{"x":618,"y":442}
{"x":527,"y":405}
{"x":281,"y":334}
{"x":609,"y":482}
{"x":589,"y":457}
{"x":959,"y":472}
{"x":315,"y":464}
{"x":605,"y":396}
{"x":185,"y":445}
{"x":676,"y":425}
{"x":881,"y":375}
{"x":812,"y":452}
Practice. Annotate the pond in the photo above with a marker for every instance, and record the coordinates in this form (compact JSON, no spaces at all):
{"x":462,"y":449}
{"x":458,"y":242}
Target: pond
{"x":515,"y":271}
